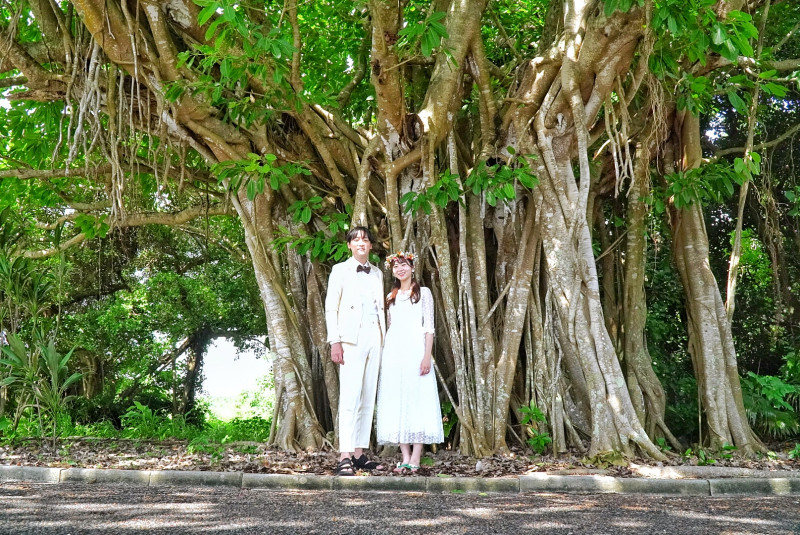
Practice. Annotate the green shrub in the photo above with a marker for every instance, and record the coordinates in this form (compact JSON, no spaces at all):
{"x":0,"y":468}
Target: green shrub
{"x":771,"y":405}
{"x":449,"y":418}
{"x":39,"y":379}
{"x":535,"y":424}
{"x":255,"y":429}
{"x":101,"y":429}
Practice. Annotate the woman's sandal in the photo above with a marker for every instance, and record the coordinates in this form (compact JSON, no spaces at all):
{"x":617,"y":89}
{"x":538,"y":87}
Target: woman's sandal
{"x":401,"y":468}
{"x":362,"y":463}
{"x":345,"y":468}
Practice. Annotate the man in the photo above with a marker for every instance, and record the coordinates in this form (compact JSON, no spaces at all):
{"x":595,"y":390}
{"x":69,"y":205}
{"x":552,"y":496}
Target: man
{"x":354,"y":315}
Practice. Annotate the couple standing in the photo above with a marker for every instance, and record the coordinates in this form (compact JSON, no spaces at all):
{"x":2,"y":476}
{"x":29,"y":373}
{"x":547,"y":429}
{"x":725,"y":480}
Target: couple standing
{"x":408,"y":411}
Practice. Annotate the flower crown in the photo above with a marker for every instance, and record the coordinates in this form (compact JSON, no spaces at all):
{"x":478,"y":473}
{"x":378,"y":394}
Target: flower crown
{"x":399,"y":254}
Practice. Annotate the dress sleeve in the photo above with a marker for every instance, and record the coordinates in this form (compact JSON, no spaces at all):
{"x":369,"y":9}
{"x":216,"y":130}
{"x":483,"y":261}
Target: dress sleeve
{"x":426,"y":298}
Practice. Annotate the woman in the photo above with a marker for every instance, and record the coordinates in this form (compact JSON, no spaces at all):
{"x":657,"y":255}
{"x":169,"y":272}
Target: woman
{"x":408,"y":410}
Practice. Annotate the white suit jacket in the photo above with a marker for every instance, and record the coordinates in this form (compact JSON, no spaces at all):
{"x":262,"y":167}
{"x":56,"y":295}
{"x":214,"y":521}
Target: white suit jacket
{"x":343,"y":301}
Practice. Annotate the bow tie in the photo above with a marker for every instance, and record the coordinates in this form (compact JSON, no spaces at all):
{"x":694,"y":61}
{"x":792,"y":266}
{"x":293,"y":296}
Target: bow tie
{"x":361,"y":268}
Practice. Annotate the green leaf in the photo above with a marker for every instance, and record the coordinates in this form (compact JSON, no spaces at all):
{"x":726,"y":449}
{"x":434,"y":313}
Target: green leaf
{"x":737,"y":15}
{"x":728,"y":185}
{"x":251,"y":190}
{"x":71,"y":379}
{"x":412,"y":30}
{"x":753,"y":166}
{"x":672,"y":24}
{"x":8,"y":381}
{"x":429,"y":42}
{"x":775,"y":89}
{"x":206,"y":13}
{"x":718,"y":35}
{"x":737,"y":102}
{"x":174,"y":92}
{"x":440,"y":30}
{"x":749,"y":30}
{"x":742,"y":45}
{"x":729,"y":51}
{"x":212,"y":28}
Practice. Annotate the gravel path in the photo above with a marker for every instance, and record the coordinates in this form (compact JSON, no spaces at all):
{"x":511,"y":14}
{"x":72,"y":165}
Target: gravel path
{"x":28,"y":508}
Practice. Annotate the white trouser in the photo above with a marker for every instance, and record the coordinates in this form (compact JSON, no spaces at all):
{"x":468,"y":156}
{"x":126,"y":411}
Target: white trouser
{"x":358,"y":384}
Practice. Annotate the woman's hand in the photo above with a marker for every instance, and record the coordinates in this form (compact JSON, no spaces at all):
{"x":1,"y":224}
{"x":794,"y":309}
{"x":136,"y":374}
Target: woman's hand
{"x":425,"y":366}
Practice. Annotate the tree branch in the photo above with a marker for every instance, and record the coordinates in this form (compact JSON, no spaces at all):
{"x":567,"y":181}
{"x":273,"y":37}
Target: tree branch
{"x":746,"y":63}
{"x":46,"y":253}
{"x":297,"y":42}
{"x":79,"y":208}
{"x":361,"y":68}
{"x":176,"y":218}
{"x":780,"y":139}
{"x":138,"y":220}
{"x":14,"y":80}
{"x":37,"y":77}
{"x":27,"y":174}
{"x":786,"y":37}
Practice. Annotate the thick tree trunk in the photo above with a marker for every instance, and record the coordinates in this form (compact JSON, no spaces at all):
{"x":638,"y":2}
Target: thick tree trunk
{"x":643,"y":384}
{"x":194,"y":364}
{"x":297,"y":424}
{"x":710,"y":339}
{"x":576,"y":298}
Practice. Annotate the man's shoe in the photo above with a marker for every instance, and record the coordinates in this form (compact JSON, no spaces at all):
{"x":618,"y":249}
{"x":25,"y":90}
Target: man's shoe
{"x":345,"y":468}
{"x":362,"y":463}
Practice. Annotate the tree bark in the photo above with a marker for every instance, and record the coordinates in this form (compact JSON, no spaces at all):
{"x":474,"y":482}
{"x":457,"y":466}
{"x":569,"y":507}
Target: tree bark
{"x":710,"y":338}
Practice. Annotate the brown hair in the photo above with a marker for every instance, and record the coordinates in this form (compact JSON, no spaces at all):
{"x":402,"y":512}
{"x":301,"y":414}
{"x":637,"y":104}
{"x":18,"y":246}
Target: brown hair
{"x":415,"y":291}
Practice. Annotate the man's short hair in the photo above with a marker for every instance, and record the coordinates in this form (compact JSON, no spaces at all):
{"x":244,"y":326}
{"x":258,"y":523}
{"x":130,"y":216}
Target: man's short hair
{"x":356,"y":231}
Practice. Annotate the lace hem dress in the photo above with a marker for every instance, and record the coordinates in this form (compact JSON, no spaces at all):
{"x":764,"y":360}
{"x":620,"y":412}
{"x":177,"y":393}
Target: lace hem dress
{"x":408,"y":409}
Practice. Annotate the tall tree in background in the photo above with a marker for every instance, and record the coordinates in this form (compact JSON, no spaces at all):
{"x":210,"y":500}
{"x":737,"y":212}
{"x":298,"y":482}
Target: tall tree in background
{"x":493,"y":138}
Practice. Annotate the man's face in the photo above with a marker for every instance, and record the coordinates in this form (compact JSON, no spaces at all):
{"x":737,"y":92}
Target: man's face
{"x":360,"y":246}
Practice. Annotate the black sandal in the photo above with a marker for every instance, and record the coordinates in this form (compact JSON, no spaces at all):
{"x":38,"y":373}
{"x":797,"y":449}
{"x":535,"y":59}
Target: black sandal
{"x":362,"y":463}
{"x":345,"y":468}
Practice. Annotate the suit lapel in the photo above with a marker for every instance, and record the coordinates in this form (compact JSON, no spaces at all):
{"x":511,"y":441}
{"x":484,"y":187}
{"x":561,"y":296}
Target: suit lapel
{"x":374,"y":279}
{"x":352,"y":275}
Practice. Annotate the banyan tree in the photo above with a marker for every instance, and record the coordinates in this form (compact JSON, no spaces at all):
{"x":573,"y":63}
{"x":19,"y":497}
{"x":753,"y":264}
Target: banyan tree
{"x":490,"y":138}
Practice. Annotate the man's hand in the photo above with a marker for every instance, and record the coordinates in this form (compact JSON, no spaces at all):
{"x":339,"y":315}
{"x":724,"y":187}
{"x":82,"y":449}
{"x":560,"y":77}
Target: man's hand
{"x":337,"y":354}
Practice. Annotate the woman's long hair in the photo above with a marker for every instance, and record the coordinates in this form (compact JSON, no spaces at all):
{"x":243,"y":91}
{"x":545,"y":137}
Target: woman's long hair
{"x":415,"y":291}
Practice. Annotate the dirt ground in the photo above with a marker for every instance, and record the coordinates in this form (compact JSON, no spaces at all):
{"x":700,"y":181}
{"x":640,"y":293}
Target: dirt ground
{"x":252,"y":457}
{"x":89,"y":509}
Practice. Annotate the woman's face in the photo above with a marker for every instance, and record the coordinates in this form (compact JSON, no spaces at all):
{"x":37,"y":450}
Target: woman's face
{"x":402,"y":269}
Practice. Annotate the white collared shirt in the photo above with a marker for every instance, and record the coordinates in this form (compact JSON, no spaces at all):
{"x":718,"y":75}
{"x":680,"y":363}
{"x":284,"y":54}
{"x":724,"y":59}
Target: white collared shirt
{"x":369,"y":308}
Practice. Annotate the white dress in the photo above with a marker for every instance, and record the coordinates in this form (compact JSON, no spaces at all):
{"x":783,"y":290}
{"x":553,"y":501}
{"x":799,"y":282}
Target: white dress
{"x":408,"y":410}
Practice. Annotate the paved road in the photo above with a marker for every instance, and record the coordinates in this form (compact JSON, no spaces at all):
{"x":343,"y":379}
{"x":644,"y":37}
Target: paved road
{"x":30,"y":508}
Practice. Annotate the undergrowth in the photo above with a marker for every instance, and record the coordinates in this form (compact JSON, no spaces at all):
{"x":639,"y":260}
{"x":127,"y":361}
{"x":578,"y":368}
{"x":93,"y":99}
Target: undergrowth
{"x":142,"y":423}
